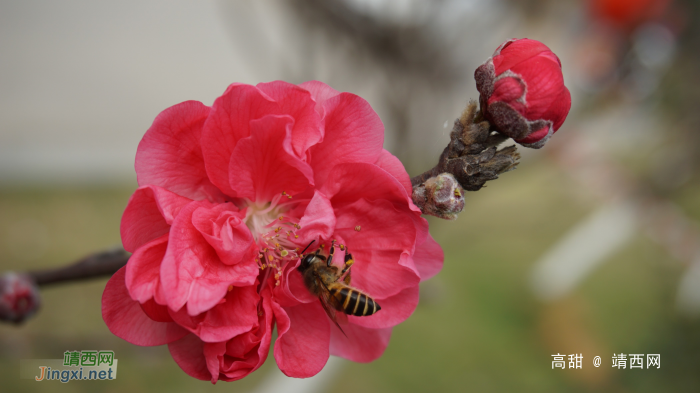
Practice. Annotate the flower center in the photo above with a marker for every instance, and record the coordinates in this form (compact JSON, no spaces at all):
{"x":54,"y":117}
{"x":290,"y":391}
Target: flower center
{"x":274,"y":233}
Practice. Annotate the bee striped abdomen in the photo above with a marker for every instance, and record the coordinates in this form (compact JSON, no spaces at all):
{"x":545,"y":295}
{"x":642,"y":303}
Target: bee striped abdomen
{"x":354,"y":302}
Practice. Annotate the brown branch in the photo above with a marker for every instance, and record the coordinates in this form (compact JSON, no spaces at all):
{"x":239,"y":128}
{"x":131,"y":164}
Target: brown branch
{"x":101,"y":264}
{"x":472,"y":158}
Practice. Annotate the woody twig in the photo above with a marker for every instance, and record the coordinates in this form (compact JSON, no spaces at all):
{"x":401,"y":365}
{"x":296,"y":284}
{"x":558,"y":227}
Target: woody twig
{"x":470,"y":160}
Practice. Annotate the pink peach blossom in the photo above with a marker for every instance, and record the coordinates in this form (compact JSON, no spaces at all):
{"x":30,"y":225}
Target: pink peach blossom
{"x":228,"y":196}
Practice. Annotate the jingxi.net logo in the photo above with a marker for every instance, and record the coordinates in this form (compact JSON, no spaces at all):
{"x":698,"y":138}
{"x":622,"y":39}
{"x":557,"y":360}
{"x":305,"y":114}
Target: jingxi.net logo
{"x":75,"y":366}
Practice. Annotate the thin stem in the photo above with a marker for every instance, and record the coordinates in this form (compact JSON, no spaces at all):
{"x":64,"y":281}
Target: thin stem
{"x":100,"y":264}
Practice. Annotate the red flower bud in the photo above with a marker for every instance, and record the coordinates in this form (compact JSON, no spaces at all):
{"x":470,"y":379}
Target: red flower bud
{"x":19,"y":297}
{"x":522,"y":91}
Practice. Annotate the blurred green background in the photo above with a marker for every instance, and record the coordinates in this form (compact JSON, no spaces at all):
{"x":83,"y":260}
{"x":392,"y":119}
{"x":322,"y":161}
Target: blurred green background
{"x":68,"y":134}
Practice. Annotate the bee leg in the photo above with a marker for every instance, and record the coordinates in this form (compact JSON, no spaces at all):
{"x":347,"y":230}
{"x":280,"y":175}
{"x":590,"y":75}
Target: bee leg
{"x":348,"y":263}
{"x":330,"y":254}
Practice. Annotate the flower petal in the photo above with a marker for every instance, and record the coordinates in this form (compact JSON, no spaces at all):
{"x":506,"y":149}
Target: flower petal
{"x":192,"y":272}
{"x":511,"y":90}
{"x":292,"y":291}
{"x":237,"y":314}
{"x":188,"y":353}
{"x":562,"y":104}
{"x":385,"y":235}
{"x":148,"y":215}
{"x":514,"y":52}
{"x":361,"y":344}
{"x":353,"y":134}
{"x":428,"y":258}
{"x":395,"y":309}
{"x":360,"y":180}
{"x":143,"y":269}
{"x":214,"y":354}
{"x":224,"y":230}
{"x":170,"y":154}
{"x":320,"y":93}
{"x":302,"y":350}
{"x":265,"y":165}
{"x":126,"y":319}
{"x":318,"y":219}
{"x":247,"y":352}
{"x":391,"y":164}
{"x":156,"y":312}
{"x":298,"y":103}
{"x":396,"y":169}
{"x":544,"y":85}
{"x":228,"y":122}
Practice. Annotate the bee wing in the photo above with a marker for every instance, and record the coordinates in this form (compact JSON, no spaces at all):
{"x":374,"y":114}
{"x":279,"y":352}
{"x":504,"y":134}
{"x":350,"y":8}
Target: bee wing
{"x":327,"y":301}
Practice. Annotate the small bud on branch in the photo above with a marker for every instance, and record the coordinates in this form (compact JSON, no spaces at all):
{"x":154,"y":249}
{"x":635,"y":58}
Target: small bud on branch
{"x":19,"y":292}
{"x":471,"y":158}
{"x":19,"y":297}
{"x":440,"y":196}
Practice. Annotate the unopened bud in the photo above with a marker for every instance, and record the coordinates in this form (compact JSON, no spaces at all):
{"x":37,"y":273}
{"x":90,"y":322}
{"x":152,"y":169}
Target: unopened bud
{"x":19,"y":297}
{"x":440,"y":196}
{"x":522,"y":91}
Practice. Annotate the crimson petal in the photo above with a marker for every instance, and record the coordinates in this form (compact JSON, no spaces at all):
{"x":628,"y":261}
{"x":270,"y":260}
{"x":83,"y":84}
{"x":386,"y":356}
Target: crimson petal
{"x":301,"y":351}
{"x":265,"y":165}
{"x":126,"y":319}
{"x":229,"y":122}
{"x":170,"y":154}
{"x":148,"y":215}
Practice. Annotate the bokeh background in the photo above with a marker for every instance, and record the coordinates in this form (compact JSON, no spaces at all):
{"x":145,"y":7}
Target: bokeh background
{"x":591,"y":246}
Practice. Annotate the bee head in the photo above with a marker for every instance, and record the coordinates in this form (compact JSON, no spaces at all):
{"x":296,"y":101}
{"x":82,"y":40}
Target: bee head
{"x":308,"y":259}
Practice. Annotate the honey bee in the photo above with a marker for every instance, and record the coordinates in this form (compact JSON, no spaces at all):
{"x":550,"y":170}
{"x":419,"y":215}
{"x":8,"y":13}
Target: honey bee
{"x":333,"y":286}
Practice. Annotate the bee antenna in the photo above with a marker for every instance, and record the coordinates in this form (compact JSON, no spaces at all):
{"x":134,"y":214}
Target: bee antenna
{"x":307,"y":247}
